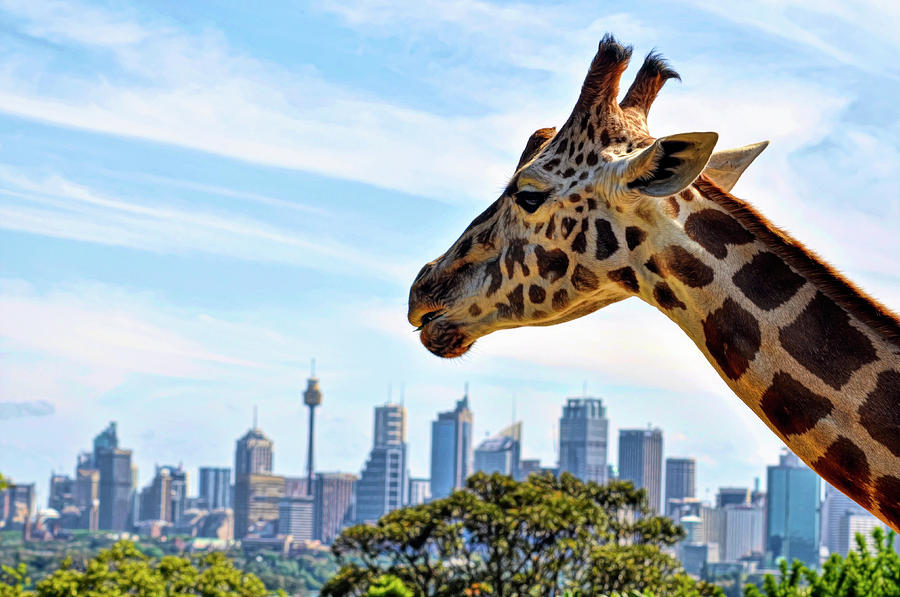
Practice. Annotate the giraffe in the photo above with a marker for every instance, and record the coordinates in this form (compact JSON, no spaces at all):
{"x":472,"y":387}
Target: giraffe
{"x":600,"y":211}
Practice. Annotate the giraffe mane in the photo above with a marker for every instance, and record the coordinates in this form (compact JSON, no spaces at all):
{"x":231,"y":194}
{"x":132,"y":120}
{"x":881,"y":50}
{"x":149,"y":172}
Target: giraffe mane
{"x":834,"y":285}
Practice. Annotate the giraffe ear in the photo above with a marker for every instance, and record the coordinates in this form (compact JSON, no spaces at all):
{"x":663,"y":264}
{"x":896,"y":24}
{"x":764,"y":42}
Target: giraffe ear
{"x":725,"y":167}
{"x":670,"y":164}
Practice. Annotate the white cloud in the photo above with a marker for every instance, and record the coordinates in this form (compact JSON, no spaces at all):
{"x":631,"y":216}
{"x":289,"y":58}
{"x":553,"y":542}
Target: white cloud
{"x":56,"y":206}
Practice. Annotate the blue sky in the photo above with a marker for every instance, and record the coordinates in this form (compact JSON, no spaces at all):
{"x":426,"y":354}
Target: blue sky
{"x":194,"y":202}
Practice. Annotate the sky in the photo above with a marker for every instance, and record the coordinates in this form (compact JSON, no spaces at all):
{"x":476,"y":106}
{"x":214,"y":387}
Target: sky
{"x":197,"y":199}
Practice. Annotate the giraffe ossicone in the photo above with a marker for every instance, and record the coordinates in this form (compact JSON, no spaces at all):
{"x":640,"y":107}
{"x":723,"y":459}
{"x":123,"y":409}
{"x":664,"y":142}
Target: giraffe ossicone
{"x":600,"y":211}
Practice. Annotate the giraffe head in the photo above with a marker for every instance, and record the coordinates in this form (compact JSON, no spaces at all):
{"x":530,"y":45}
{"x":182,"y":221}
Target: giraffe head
{"x":555,"y":245}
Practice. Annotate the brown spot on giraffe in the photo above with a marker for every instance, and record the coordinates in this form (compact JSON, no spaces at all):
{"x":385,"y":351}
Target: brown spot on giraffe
{"x":732,"y":338}
{"x":845,"y":466}
{"x":517,"y":301}
{"x":822,"y":340}
{"x":625,"y":277}
{"x":652,"y":265}
{"x":880,"y":413}
{"x":584,"y":279}
{"x":566,"y":226}
{"x":474,"y":310}
{"x":678,"y":261}
{"x":553,"y":264}
{"x":560,"y":299}
{"x":492,"y":269}
{"x":887,"y":489}
{"x":516,"y":254}
{"x":673,"y":207}
{"x":666,"y":298}
{"x":713,"y":230}
{"x":768,"y":281}
{"x":551,"y":227}
{"x":579,"y":243}
{"x":536,"y":294}
{"x":792,"y":407}
{"x":634,"y":236}
{"x":607,"y":243}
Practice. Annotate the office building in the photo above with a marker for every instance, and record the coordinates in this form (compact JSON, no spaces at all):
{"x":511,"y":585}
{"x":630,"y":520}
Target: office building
{"x":256,"y":504}
{"x":419,"y":491}
{"x":334,"y":504}
{"x":295,"y":517}
{"x":451,"y":449}
{"x":116,"y":485}
{"x":679,"y":480}
{"x":852,"y":524}
{"x":17,"y":507}
{"x":528,"y":467}
{"x":215,"y":487}
{"x":62,"y":492}
{"x":501,"y":453}
{"x":837,"y":531}
{"x":732,"y":496}
{"x":744,"y":532}
{"x":384,"y":482}
{"x":792,"y":511}
{"x":583,"y":438}
{"x":165,"y":498}
{"x":87,"y":496}
{"x":640,"y":461}
{"x":253,"y":454}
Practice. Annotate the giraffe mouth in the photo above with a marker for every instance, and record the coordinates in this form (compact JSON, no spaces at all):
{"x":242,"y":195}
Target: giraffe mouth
{"x":444,"y":338}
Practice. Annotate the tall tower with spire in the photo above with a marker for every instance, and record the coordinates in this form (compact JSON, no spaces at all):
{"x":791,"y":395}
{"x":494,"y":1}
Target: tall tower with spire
{"x":312,"y":397}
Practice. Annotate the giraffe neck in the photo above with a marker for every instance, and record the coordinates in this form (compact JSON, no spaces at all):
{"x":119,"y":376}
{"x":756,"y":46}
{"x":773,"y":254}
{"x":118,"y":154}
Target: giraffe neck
{"x":812,"y":356}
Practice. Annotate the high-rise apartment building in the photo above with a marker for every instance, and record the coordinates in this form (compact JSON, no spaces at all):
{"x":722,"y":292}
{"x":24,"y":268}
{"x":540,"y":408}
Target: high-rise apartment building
{"x":451,"y":449}
{"x":792,"y":511}
{"x":501,"y":453}
{"x":384,"y":481}
{"x":640,"y":461}
{"x":215,"y":487}
{"x":334,"y":504}
{"x":583,"y":439}
{"x":680,"y":473}
{"x":116,"y":487}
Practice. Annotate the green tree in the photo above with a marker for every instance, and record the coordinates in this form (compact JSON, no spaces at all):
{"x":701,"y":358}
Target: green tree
{"x":123,"y":570}
{"x":502,"y":537}
{"x":388,"y":586}
{"x":861,"y":574}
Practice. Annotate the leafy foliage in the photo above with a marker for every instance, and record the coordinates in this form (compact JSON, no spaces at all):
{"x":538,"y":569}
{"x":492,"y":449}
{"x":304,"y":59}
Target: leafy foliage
{"x":861,"y":573}
{"x":502,"y":537}
{"x":123,"y":570}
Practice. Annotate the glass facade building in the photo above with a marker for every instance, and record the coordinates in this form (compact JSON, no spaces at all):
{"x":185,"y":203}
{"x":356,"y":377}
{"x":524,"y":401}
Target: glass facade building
{"x":792,"y":511}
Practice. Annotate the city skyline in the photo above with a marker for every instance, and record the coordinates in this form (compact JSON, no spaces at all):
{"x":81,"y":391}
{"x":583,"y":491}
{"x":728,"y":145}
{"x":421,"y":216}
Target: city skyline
{"x":181,"y":232}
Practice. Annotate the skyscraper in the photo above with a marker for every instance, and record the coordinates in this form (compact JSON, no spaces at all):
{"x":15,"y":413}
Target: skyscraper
{"x":744,"y":533}
{"x":384,"y":481}
{"x":215,"y":487}
{"x":732,"y":496}
{"x":640,"y":461}
{"x":253,"y":454}
{"x":679,"y":480}
{"x":257,"y":492}
{"x":583,"y":433}
{"x":115,"y":488}
{"x":792,"y":511}
{"x":295,"y":517}
{"x":333,"y":504}
{"x":501,"y":453}
{"x":312,"y":397}
{"x":451,"y":449}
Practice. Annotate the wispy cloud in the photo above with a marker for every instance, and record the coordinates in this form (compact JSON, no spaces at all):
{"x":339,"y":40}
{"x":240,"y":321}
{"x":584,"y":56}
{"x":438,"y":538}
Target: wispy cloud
{"x":30,"y":408}
{"x":56,"y":206}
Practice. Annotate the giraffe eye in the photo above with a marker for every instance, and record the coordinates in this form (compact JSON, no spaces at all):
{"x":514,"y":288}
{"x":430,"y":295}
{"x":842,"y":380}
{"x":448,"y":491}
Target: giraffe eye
{"x":531,"y":200}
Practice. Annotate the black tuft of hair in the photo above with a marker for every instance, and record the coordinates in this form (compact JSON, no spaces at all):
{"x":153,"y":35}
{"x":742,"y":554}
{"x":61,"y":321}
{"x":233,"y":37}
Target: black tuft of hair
{"x":612,"y":50}
{"x":656,"y":64}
